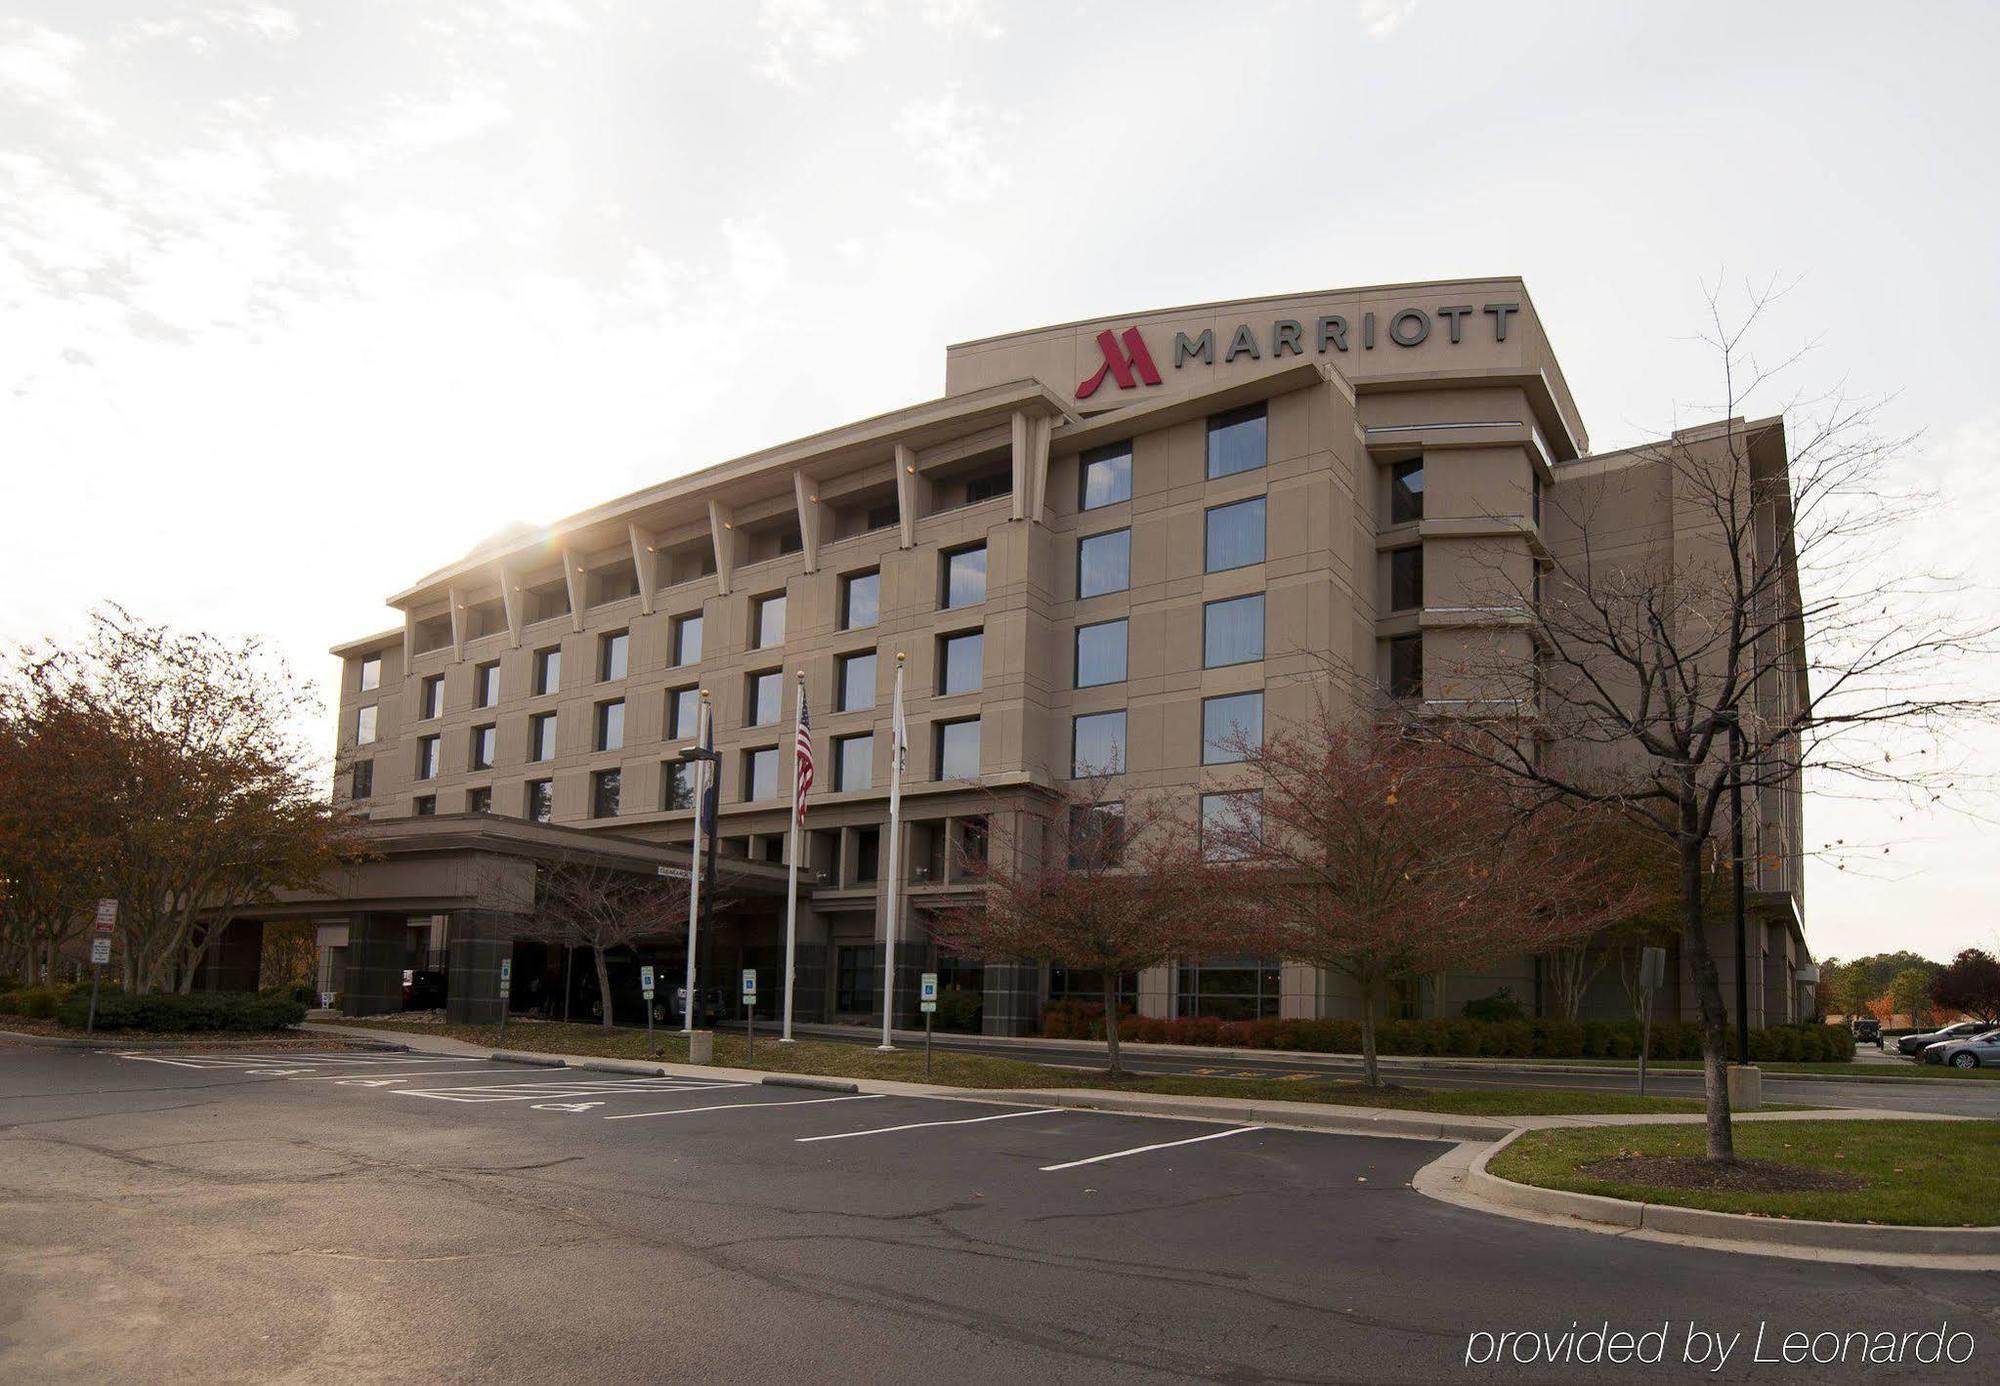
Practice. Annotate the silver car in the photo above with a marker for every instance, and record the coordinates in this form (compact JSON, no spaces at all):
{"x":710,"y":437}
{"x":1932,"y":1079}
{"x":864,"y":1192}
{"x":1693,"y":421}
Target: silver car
{"x":1967,"y":1051}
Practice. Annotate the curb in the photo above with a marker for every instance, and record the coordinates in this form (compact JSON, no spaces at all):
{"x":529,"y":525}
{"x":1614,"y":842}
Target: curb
{"x":638,"y":1066}
{"x":788,"y":1080}
{"x":521,"y":1056}
{"x":1723,"y":1227}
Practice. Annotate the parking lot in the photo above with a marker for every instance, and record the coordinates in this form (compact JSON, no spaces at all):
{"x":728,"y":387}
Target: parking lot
{"x":243,"y":1216}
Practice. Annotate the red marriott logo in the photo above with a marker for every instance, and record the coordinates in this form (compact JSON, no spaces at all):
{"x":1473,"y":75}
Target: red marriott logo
{"x":1121,"y":366}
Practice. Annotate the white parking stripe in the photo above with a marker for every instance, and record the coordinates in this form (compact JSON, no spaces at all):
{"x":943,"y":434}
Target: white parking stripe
{"x":543,"y":1092}
{"x":423,"y":1073}
{"x":924,"y":1125}
{"x":744,"y":1106}
{"x":1142,"y":1149}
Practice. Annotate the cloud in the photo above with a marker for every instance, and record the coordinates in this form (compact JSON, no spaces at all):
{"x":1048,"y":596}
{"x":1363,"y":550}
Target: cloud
{"x":466,"y":112}
{"x":961,"y":14}
{"x":270,"y":21}
{"x":951,"y":139}
{"x":38,"y":64}
{"x":1381,"y":18}
{"x":809,"y":30}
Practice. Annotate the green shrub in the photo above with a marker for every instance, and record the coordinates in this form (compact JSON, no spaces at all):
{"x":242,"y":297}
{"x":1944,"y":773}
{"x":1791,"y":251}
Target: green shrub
{"x":162,"y":1013}
{"x":33,"y":1003}
{"x":958,"y":1008}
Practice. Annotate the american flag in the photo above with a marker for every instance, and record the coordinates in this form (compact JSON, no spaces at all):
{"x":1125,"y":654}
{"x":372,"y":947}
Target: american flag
{"x":805,"y":760}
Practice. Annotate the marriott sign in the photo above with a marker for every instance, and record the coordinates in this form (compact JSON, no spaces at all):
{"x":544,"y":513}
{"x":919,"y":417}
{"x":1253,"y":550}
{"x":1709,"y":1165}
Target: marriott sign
{"x":1129,"y":361}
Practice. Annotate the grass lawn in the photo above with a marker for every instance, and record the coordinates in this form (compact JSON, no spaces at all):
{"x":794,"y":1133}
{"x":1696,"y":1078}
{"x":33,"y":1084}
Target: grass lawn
{"x":1919,"y":1173}
{"x":830,"y":1059}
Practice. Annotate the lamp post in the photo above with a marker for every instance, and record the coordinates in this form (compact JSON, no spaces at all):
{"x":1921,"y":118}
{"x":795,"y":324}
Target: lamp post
{"x":704,"y":899}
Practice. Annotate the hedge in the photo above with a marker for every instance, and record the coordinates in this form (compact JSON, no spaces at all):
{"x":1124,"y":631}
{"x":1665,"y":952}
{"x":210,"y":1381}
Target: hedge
{"x":209,"y":1010}
{"x":33,"y":1003}
{"x":1514,"y":1039}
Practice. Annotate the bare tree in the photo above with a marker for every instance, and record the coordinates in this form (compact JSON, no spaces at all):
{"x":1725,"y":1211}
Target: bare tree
{"x":1103,"y":884}
{"x":584,"y":902}
{"x":1772,"y":628}
{"x":1381,"y":858}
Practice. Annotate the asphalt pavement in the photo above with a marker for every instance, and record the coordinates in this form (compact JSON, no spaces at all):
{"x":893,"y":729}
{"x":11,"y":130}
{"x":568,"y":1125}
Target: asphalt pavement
{"x":176,"y":1216}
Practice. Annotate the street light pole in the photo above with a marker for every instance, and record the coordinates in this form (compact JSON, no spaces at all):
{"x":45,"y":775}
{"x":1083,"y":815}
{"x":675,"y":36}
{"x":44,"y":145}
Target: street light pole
{"x":708,"y":772}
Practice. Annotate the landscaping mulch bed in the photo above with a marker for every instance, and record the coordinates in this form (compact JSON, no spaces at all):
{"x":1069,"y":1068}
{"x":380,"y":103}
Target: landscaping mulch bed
{"x":1743,"y":1176}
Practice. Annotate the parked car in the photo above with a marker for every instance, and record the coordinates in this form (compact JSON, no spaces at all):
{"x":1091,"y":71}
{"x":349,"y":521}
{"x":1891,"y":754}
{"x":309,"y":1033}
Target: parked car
{"x":423,"y":989}
{"x":1914,"y":1045}
{"x":1976,"y":1051}
{"x":707,"y":1006}
{"x":1867,"y":1030}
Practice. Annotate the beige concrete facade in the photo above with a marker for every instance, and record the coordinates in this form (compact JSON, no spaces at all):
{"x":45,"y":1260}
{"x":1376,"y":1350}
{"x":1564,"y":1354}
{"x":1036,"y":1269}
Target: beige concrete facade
{"x":1455,"y":377}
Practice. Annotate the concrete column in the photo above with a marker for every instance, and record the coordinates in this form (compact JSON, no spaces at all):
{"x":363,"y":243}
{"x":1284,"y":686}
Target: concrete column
{"x":478,"y":940}
{"x":374,"y":965}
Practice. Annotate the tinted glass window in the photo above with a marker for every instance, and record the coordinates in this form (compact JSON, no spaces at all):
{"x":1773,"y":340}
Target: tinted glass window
{"x":606,"y":786}
{"x":432,"y":697}
{"x":427,"y":758}
{"x":1406,"y":492}
{"x":479,"y":800}
{"x":610,"y":726}
{"x":683,"y":712}
{"x":857,"y":682}
{"x":611,"y":657}
{"x":1097,"y":836}
{"x":687,"y":640}
{"x":1406,"y":666}
{"x":1236,"y":441}
{"x":484,"y":741}
{"x":862,"y":603}
{"x":371,"y":673}
{"x":1235,"y":535}
{"x":1100,"y":654}
{"x":854,"y":762}
{"x":548,"y":671}
{"x":965,"y":577}
{"x":760,"y":774}
{"x":1104,"y":563}
{"x":364,"y":778}
{"x":425,"y":805}
{"x":961,"y":662}
{"x":1227,"y":721}
{"x":486,"y":685}
{"x":1107,"y":476}
{"x":542,"y":736}
{"x":1229,"y":824}
{"x":541,"y":803}
{"x":364,"y":724}
{"x":677,"y":785}
{"x":770,"y":622}
{"x":766,"y":691}
{"x":1097,"y":744}
{"x":1406,"y":578}
{"x":958,"y":750}
{"x":1233,"y":631}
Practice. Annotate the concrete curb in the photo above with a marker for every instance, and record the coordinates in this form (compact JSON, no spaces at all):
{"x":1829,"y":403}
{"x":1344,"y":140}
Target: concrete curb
{"x":638,"y":1066}
{"x":1722,"y":1227}
{"x":522,"y":1056}
{"x":788,"y":1080}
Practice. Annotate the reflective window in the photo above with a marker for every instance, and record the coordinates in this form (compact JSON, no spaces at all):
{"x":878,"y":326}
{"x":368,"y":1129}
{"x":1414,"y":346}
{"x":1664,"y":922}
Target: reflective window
{"x":861,"y":600}
{"x":606,"y":787}
{"x":1097,"y":744}
{"x":479,"y":800}
{"x":760,"y":773}
{"x":683,"y":713}
{"x":371,"y":673}
{"x":427,"y":757}
{"x":1096,"y":836}
{"x":486,"y":684}
{"x":548,"y":670}
{"x":485,"y":744}
{"x":766,"y":694}
{"x":1104,"y":563}
{"x":424,"y":805}
{"x":857,"y":682}
{"x":611,"y":725}
{"x":853,"y":761}
{"x":430,"y":698}
{"x":542,"y":736}
{"x":961,"y":662}
{"x":364,"y":725}
{"x":1406,"y":578}
{"x":769,"y":623}
{"x":1406,"y":492}
{"x":1236,"y":441}
{"x":958,"y":750}
{"x":1235,"y":535}
{"x":1233,"y":631}
{"x":1228,"y":988}
{"x":1228,"y":724}
{"x":1106,"y":476}
{"x":1231,"y":824}
{"x":676,"y":785}
{"x":364,"y":779}
{"x":1100,"y":653}
{"x":965,"y":577}
{"x":687,"y":640}
{"x":541,"y":800}
{"x":611,"y":656}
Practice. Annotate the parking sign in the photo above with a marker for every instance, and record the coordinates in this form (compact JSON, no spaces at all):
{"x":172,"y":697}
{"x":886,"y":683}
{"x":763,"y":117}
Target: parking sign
{"x":646,"y":981}
{"x":928,"y":988}
{"x":749,"y":986}
{"x":506,"y":976}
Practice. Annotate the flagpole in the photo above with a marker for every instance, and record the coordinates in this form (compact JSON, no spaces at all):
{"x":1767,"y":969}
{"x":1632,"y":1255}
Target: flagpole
{"x":792,"y":884}
{"x":897,"y":733}
{"x":694,"y":875}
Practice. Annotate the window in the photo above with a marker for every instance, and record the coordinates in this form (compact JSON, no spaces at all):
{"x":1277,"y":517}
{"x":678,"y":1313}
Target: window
{"x":1232,"y":631}
{"x":760,"y":773}
{"x":676,"y":785}
{"x":1086,"y":985}
{"x":611,"y":725}
{"x":1231,"y":824}
{"x":485,"y":743}
{"x":683,"y":713}
{"x":990,"y":486}
{"x":857,"y":682}
{"x":768,"y":622}
{"x":961,"y":662}
{"x":605,"y":788}
{"x":1228,"y":724}
{"x":371,"y":673}
{"x":1235,"y":535}
{"x":1100,"y":654}
{"x":1228,"y":988}
{"x":965,"y":577}
{"x":548,"y":670}
{"x":853,"y":761}
{"x":1537,"y":479}
{"x":1406,"y":578}
{"x":479,"y":800}
{"x":958,"y":750}
{"x":1097,"y":744}
{"x":542,"y":736}
{"x":486,"y":684}
{"x":860,"y":600}
{"x":540,"y":803}
{"x":1104,"y":563}
{"x":1406,"y":666}
{"x":1406,"y":492}
{"x":687,"y":640}
{"x":430,"y":695}
{"x":611,"y":656}
{"x":763,"y":694}
{"x":1105,"y":476}
{"x":1236,"y":441}
{"x":364,"y":725}
{"x":867,"y":857}
{"x":1096,"y":836}
{"x":427,"y":757}
{"x":424,"y":805}
{"x":364,"y":779}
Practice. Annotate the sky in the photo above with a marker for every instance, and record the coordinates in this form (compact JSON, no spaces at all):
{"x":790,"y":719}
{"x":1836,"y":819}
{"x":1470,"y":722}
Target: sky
{"x":303,"y":301}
